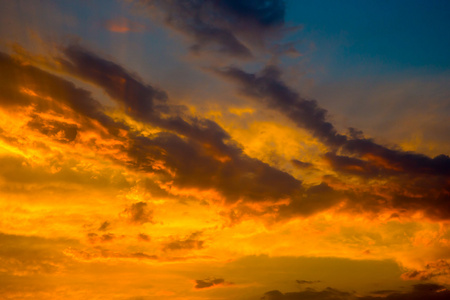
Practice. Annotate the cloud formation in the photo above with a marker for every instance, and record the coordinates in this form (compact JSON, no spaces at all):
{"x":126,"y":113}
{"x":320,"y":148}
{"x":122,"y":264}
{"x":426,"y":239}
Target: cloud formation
{"x":420,"y":291}
{"x":193,"y":152}
{"x":207,"y":149}
{"x":354,"y":154}
{"x":23,"y":255}
{"x":268,"y":88}
{"x":138,"y":213}
{"x":191,"y":242}
{"x":225,"y":27}
{"x":307,"y":281}
{"x":440,"y":268}
{"x":208,"y":283}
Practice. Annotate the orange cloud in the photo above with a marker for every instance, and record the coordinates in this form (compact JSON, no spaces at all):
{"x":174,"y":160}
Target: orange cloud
{"x":124,"y":25}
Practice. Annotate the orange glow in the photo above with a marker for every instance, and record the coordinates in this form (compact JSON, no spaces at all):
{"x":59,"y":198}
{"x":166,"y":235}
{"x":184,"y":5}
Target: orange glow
{"x":378,"y":160}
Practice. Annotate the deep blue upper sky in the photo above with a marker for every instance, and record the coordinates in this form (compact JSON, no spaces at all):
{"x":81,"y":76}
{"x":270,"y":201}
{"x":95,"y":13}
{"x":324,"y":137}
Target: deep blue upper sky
{"x":376,"y":36}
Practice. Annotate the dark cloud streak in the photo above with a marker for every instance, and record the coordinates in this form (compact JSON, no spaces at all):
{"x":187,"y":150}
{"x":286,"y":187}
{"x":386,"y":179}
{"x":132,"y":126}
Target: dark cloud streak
{"x":225,"y":27}
{"x":205,"y":158}
{"x":419,"y":292}
{"x":138,"y":213}
{"x":354,"y":154}
{"x":207,"y":283}
{"x":268,"y":87}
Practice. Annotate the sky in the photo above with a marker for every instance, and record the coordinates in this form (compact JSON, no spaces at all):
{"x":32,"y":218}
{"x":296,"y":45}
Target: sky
{"x":224,"y":149}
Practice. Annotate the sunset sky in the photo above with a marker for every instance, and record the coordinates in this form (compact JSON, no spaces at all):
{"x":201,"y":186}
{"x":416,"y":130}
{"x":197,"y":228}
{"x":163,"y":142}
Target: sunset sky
{"x":224,"y":149}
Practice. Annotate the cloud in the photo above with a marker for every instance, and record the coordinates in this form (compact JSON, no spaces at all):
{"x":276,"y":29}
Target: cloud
{"x":22,"y":255}
{"x":138,"y":213}
{"x":354,"y":154}
{"x":384,"y":292}
{"x":235,"y":177}
{"x":99,"y":253}
{"x":144,"y":237}
{"x":61,"y":131}
{"x":142,"y":101}
{"x":196,"y":153}
{"x":307,"y":281}
{"x":225,"y":27}
{"x":95,"y":238}
{"x":191,"y":153}
{"x":206,"y":158}
{"x":352,"y":165}
{"x":209,"y":283}
{"x":137,"y":98}
{"x":268,"y":87}
{"x":436,"y":269}
{"x":123,"y":25}
{"x":102,"y":254}
{"x":301,"y":164}
{"x":104,"y":226}
{"x":28,"y":85}
{"x":19,"y":174}
{"x":419,"y":292}
{"x":327,"y":294}
{"x":314,"y":199}
{"x":192,"y":242}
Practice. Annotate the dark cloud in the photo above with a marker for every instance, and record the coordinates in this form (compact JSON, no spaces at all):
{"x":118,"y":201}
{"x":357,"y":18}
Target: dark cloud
{"x":352,"y":165}
{"x":268,"y":87}
{"x":314,"y":199}
{"x":206,"y":283}
{"x":301,"y":164}
{"x":307,"y":281}
{"x":235,"y":177}
{"x":273,"y":295}
{"x":143,"y":237}
{"x":137,"y":98}
{"x":432,"y":269}
{"x":138,"y":213}
{"x":95,"y":238}
{"x":229,"y":27}
{"x":142,"y":101}
{"x":384,"y":292}
{"x":26,"y":85}
{"x":417,"y":275}
{"x":422,"y":183}
{"x":193,"y":241}
{"x":107,"y":237}
{"x":104,"y":226}
{"x":308,"y":294}
{"x":10,"y":95}
{"x":419,"y":292}
{"x":99,"y":252}
{"x":196,"y":151}
{"x":62,"y":131}
{"x":92,"y":237}
{"x":204,"y":157}
{"x":397,"y":160}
